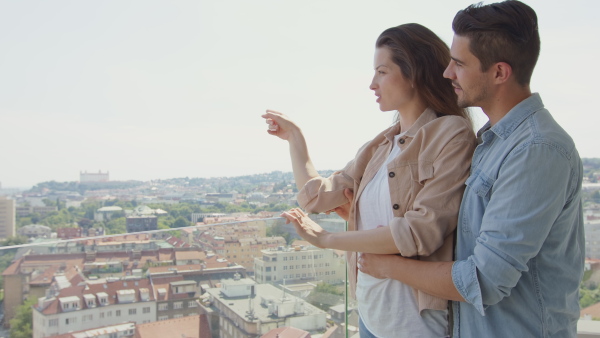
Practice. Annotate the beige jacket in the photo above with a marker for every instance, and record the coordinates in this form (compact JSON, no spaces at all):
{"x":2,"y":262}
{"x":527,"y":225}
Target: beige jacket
{"x":426,"y":185}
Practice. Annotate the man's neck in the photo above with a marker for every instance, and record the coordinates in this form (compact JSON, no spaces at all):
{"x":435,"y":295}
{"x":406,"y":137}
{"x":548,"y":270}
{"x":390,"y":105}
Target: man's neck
{"x":504,"y":100}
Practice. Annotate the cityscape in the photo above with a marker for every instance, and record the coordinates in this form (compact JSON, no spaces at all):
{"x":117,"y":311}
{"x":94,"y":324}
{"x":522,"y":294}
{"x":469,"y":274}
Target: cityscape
{"x":196,"y":257}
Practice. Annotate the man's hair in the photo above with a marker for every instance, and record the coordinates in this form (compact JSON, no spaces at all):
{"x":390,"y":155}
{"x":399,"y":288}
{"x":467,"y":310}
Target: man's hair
{"x":502,"y":32}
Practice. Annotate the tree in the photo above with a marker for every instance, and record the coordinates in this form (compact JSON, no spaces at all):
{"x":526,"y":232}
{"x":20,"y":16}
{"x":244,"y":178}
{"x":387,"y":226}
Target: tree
{"x":21,"y":326}
{"x":181,"y":222}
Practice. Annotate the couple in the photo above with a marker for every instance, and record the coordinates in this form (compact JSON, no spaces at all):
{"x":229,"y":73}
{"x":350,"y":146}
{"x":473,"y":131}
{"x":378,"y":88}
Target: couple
{"x":518,"y":260}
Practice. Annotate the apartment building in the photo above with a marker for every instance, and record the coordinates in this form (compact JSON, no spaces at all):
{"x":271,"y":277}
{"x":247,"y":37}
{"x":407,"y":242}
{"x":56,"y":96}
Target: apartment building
{"x":298,"y":264}
{"x":89,"y":305}
{"x":7,"y":217}
{"x":247,"y":309}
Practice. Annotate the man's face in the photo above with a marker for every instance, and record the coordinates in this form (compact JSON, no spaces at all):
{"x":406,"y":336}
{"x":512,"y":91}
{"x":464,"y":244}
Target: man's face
{"x":471,"y":85}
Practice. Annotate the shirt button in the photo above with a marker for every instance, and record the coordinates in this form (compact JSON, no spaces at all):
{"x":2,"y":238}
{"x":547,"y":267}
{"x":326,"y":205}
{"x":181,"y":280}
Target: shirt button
{"x":391,"y":174}
{"x":401,"y":141}
{"x":396,"y":206}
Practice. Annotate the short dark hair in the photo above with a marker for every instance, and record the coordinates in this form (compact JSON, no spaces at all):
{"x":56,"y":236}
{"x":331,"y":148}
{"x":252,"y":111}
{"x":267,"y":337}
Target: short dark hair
{"x":502,"y":32}
{"x":422,"y":57}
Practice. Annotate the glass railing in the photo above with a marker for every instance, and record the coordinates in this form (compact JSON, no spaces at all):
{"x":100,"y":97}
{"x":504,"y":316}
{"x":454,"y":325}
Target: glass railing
{"x":241,"y":278}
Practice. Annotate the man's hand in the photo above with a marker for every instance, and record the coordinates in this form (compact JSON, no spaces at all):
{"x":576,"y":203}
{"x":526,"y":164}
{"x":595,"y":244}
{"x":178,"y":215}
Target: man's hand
{"x":378,"y":266}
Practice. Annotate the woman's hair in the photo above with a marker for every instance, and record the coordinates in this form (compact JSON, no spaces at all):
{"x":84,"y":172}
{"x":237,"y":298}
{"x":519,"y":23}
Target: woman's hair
{"x":422,"y":57}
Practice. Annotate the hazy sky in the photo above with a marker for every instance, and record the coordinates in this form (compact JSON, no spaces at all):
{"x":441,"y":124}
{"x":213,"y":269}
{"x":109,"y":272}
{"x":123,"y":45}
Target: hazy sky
{"x":162,"y":89}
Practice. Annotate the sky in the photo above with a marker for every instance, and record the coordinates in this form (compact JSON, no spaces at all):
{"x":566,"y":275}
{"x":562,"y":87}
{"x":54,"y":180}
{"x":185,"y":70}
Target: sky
{"x":163,"y":89}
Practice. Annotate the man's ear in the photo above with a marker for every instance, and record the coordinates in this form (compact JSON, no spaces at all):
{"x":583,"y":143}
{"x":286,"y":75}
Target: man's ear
{"x":502,"y":72}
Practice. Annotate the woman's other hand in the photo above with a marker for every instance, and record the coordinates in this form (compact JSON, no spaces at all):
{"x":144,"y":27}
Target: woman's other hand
{"x":280,"y":125}
{"x":306,"y":227}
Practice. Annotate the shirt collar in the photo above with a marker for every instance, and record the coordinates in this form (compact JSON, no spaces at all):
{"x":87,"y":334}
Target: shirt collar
{"x":515,"y":116}
{"x":427,"y":116}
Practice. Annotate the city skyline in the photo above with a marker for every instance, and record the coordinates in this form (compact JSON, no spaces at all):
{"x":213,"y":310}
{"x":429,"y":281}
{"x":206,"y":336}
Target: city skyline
{"x":155,"y":90}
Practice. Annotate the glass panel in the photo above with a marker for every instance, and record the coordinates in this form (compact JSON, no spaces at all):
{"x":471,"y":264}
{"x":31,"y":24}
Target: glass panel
{"x":228,"y":276}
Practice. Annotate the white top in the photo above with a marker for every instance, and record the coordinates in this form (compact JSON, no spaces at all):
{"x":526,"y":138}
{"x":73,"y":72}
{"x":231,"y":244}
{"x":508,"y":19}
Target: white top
{"x":387,"y":307}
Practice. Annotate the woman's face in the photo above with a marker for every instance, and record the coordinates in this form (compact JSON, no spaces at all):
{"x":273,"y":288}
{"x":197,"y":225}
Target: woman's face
{"x":392,"y":89}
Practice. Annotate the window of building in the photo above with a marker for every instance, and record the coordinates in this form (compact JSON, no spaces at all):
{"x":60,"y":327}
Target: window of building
{"x":132,"y":312}
{"x":192,"y":303}
{"x":163,"y":317}
{"x":146,"y":310}
{"x":163,"y":307}
{"x":53,"y":322}
{"x":178,"y":305}
{"x":118,"y":313}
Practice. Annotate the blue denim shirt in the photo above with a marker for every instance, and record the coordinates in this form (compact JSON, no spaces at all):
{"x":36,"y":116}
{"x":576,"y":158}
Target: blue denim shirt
{"x":520,"y":240}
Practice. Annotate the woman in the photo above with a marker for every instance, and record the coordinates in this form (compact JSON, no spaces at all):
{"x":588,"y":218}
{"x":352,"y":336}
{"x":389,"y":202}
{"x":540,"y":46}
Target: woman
{"x":403,"y":189}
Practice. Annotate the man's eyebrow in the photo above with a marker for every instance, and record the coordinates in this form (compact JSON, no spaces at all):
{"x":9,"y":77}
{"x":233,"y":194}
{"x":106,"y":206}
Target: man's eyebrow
{"x":457,"y":60}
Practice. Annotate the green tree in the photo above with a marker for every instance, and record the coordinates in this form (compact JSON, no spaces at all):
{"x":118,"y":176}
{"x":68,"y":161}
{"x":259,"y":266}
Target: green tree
{"x":116,"y":226}
{"x":181,"y":222}
{"x":21,"y":325}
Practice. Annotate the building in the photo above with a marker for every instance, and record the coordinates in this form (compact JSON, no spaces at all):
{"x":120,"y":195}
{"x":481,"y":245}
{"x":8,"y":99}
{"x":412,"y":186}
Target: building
{"x":93,"y":177}
{"x":592,"y":236}
{"x":141,"y":223}
{"x":106,"y":213}
{"x":90,"y":305}
{"x":7,"y":217}
{"x":299,"y":263}
{"x":188,"y":327}
{"x":35,"y":230}
{"x":175,"y":297}
{"x":69,"y":233}
{"x":23,"y":211}
{"x":239,"y":244}
{"x":247,"y":309}
{"x":124,"y":330}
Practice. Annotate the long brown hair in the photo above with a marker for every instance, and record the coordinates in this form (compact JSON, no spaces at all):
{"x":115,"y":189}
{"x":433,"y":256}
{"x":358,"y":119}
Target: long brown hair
{"x":422,"y":57}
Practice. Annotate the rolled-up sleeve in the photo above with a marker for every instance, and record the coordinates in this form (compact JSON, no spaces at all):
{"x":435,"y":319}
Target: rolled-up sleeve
{"x":524,"y":202}
{"x":322,"y":194}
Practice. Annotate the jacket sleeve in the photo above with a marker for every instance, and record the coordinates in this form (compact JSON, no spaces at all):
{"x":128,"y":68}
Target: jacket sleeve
{"x":322,"y":194}
{"x":434,"y":213}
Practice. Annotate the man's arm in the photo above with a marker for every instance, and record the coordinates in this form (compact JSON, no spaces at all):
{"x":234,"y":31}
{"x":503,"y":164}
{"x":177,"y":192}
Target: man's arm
{"x":434,"y":278}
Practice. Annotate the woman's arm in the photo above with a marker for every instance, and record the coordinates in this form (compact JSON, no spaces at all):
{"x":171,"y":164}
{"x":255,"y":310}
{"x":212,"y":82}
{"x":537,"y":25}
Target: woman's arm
{"x":282,"y":127}
{"x":377,"y":240}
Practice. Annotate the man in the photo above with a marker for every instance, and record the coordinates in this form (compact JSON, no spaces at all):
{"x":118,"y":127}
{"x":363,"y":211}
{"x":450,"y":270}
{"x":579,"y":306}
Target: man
{"x":520,"y":240}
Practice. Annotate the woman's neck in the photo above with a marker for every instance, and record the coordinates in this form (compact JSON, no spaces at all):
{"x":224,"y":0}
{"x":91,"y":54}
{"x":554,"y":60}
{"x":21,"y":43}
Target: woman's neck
{"x":409,"y":114}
